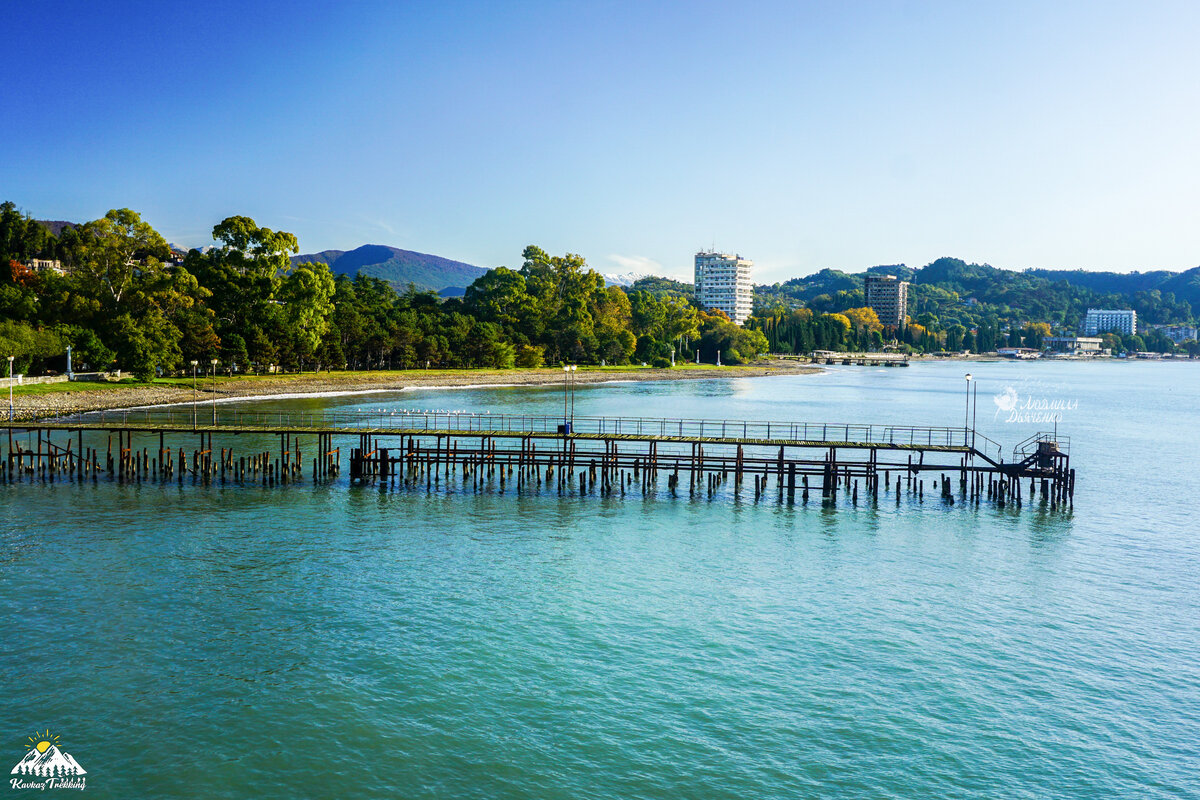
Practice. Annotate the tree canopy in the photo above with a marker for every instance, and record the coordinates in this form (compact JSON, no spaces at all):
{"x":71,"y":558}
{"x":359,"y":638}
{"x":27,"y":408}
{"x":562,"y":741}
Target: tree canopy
{"x":124,"y":300}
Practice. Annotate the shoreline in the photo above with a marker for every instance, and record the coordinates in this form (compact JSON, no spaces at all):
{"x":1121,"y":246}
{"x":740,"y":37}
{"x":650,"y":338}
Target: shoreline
{"x":77,"y":400}
{"x":59,"y":399}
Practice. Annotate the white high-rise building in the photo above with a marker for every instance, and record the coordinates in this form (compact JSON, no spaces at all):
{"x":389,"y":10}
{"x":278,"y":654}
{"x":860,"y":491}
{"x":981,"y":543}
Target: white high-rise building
{"x":723,"y":282}
{"x":1102,"y":320}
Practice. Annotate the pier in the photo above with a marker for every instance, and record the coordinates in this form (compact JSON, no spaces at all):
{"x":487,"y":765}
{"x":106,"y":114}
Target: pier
{"x":604,"y":456}
{"x":831,"y":357}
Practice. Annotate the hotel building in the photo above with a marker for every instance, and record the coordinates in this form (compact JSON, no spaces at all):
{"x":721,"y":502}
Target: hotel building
{"x":889,"y":297}
{"x":723,"y":283}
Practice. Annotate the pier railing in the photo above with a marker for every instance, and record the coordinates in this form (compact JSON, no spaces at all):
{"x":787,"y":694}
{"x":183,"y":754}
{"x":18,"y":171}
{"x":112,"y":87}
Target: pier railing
{"x":1023,"y":449}
{"x":504,"y":423}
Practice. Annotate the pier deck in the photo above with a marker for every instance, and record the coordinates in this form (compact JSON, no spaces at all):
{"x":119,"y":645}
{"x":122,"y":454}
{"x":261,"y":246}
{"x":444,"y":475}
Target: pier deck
{"x":538,"y":449}
{"x":830,"y":357}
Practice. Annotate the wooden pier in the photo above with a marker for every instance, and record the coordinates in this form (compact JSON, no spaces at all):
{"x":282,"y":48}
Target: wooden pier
{"x":605,"y":456}
{"x":831,"y":357}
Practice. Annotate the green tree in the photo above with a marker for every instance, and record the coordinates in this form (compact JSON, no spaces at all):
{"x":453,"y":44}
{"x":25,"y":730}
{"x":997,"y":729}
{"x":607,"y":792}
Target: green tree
{"x":31,"y":347}
{"x":116,"y":250}
{"x":255,"y":250}
{"x":142,"y":345}
{"x":737,"y":345}
{"x":500,"y":296}
{"x":88,"y":351}
{"x":21,"y":237}
{"x":234,"y":353}
{"x":307,"y":297}
{"x":530,"y":356}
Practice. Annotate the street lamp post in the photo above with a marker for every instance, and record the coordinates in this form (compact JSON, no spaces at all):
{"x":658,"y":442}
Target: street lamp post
{"x":974,"y":409}
{"x":10,"y":409}
{"x":10,"y":401}
{"x":566,"y":392}
{"x":967,"y":411}
{"x":194,"y":365}
{"x":568,"y":396}
{"x":214,"y":363}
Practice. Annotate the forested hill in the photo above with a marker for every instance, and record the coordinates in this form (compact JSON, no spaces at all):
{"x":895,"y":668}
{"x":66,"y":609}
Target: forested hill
{"x":951,"y":288}
{"x":1050,"y":295}
{"x":397,"y":267}
{"x":1184,"y":285}
{"x":1115,"y":282}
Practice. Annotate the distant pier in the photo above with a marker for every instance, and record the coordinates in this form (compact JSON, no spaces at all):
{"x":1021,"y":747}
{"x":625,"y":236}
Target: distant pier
{"x":831,"y":357}
{"x":604,"y":456}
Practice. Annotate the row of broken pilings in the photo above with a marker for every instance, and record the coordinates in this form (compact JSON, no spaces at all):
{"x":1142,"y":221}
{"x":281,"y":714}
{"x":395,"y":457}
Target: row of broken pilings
{"x":50,"y":462}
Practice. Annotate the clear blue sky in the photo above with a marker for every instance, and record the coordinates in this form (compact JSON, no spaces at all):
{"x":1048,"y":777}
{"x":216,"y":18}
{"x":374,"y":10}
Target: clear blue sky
{"x":802,"y":135}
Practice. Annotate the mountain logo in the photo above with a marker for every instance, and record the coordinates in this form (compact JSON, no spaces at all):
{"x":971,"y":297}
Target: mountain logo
{"x":46,"y":760}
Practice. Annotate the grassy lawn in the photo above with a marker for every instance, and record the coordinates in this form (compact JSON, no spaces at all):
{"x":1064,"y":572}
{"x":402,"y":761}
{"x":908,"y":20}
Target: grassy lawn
{"x":72,"y":386}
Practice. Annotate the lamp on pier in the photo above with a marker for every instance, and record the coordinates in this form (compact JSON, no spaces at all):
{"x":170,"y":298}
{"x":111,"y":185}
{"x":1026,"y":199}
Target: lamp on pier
{"x":10,"y":400}
{"x":214,"y":363}
{"x":568,"y":392}
{"x":967,"y":411}
{"x":195,"y":363}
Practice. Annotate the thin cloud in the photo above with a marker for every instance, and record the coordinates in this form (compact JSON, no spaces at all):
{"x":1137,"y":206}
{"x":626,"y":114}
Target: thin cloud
{"x":384,"y":226}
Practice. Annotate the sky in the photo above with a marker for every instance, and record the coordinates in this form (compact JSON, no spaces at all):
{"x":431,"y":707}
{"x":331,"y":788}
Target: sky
{"x":802,"y":135}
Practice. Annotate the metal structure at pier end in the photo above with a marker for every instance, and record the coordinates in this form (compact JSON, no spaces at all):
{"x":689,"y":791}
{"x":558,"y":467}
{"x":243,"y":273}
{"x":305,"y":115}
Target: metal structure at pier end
{"x":593,"y":455}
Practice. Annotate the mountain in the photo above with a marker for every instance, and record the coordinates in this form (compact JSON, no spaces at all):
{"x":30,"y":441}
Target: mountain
{"x":397,"y":267}
{"x":53,"y":762}
{"x":663,"y":287}
{"x":624,"y":278}
{"x":825,"y":282}
{"x":901,"y":271}
{"x":1107,"y":282}
{"x":56,"y":226}
{"x":1185,"y":285}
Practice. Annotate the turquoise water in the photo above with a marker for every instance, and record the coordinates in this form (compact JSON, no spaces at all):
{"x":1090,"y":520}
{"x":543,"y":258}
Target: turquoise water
{"x":192,"y":641}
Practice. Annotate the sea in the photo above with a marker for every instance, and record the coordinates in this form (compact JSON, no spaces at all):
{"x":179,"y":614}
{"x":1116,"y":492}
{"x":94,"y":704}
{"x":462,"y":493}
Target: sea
{"x":335,"y":641}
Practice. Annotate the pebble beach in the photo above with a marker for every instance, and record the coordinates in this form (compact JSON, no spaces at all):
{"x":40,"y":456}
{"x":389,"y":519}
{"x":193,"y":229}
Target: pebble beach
{"x":79,"y":399}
